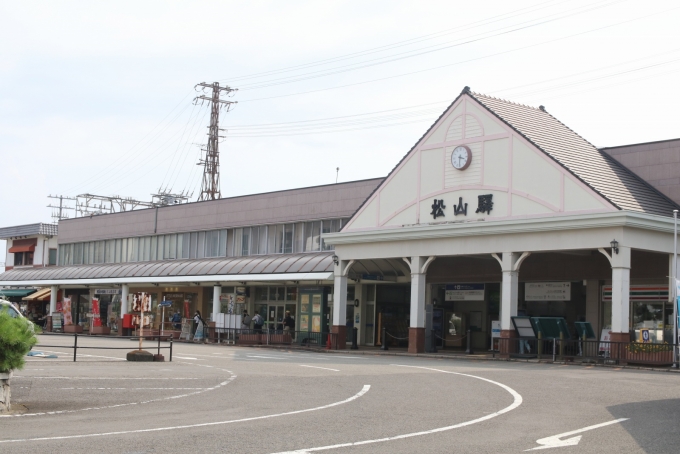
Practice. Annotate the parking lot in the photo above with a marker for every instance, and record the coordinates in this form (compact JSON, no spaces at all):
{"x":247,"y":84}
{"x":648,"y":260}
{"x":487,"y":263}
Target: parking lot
{"x":253,"y":400}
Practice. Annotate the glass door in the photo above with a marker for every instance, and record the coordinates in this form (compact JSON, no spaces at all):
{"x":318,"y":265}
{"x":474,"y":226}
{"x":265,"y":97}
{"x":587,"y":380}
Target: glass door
{"x":275,"y":317}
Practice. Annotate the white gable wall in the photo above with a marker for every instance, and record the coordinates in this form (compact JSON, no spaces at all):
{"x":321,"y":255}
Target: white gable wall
{"x":523,"y":180}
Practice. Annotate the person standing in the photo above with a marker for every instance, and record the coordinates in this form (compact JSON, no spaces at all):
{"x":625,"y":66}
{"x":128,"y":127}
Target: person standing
{"x":176,"y":320}
{"x":288,"y":322}
{"x":199,"y":326}
{"x":245,"y":320}
{"x":258,"y":321}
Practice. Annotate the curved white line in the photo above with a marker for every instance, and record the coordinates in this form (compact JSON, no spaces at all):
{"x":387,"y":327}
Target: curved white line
{"x":317,"y":367}
{"x":363,"y":391}
{"x":516,"y":403}
{"x":60,"y":412}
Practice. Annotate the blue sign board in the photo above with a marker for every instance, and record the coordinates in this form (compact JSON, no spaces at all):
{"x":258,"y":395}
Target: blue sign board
{"x":165,"y":303}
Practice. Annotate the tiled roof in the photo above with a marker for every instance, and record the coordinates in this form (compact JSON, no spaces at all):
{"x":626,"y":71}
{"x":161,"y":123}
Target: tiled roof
{"x":28,"y":230}
{"x":621,"y":187}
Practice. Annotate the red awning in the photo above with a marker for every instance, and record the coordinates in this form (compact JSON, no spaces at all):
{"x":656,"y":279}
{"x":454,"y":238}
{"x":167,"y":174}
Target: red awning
{"x":25,"y":248}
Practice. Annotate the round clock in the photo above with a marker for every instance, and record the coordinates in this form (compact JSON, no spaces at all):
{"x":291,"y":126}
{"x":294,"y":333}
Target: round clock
{"x":461,"y":157}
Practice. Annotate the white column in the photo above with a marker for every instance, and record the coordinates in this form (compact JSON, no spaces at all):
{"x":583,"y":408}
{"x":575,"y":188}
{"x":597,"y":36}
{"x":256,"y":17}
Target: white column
{"x":125,"y":290}
{"x":621,"y":290}
{"x":510,"y":263}
{"x":53,"y":298}
{"x":217,"y":291}
{"x":417,"y":292}
{"x":340,"y":295}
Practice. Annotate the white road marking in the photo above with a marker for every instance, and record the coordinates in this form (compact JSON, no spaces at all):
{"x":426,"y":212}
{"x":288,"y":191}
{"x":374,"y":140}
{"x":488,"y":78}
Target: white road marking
{"x":131,"y":388}
{"x":187,"y":357}
{"x":111,"y":378}
{"x":59,"y":412}
{"x":265,"y":357}
{"x":317,"y":367}
{"x":555,"y":442}
{"x":517,"y":401}
{"x":83,"y":354}
{"x":363,"y":391}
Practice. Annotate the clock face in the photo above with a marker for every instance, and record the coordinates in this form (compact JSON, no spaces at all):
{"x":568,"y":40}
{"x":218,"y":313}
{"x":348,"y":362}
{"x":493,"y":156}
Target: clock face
{"x":461,"y":157}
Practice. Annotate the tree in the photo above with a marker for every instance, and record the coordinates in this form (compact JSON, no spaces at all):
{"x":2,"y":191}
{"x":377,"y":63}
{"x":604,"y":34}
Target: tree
{"x":16,"y":340}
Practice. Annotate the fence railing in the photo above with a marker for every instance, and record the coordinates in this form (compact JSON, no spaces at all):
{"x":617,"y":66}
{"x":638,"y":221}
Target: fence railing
{"x":236,"y":336}
{"x":77,"y":347}
{"x":586,"y":351}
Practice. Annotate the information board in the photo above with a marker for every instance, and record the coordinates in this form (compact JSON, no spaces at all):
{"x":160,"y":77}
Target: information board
{"x":547,"y":291}
{"x":464,"y":292}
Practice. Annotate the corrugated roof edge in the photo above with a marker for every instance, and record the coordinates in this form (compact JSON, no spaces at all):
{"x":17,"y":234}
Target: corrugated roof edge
{"x":246,"y":195}
{"x":465,"y":90}
{"x":640,"y":143}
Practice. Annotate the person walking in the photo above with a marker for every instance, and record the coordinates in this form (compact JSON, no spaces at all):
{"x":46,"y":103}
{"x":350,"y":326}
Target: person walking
{"x":199,"y":326}
{"x":288,"y":322}
{"x":258,"y":321}
{"x":176,"y":320}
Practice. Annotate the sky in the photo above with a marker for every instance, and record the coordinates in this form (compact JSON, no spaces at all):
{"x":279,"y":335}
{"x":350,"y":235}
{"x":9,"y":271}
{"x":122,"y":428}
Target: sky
{"x":96,"y":97}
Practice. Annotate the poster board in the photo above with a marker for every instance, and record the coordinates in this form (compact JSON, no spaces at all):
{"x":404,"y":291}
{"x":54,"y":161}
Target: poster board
{"x":584,"y":328}
{"x":186,"y":329}
{"x":524,"y":327}
{"x":57,"y":321}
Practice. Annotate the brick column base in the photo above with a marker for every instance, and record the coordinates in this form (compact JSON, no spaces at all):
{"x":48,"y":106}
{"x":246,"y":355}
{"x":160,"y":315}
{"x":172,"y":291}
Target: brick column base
{"x":340,"y":341}
{"x":416,"y":340}
{"x":618,"y":351}
{"x":48,"y":325}
{"x":506,"y":344}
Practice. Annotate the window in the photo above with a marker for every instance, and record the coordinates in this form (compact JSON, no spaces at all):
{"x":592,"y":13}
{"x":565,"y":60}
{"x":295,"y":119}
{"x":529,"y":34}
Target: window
{"x":238,"y":242}
{"x":170,"y":247}
{"x":183,"y":245}
{"x":287,"y":246}
{"x":23,"y":258}
{"x":118,"y":250}
{"x":254,"y":240}
{"x":312,"y":236}
{"x":52,"y":259}
{"x":299,"y":237}
{"x":90,"y":252}
{"x":132,"y":249}
{"x":200,"y":250}
{"x":153,"y":248}
{"x":145,"y":249}
{"x":193,"y":245}
{"x":330,"y":226}
{"x":262,"y":247}
{"x":78,"y":254}
{"x":110,"y":253}
{"x":278,"y":244}
{"x":245,"y":241}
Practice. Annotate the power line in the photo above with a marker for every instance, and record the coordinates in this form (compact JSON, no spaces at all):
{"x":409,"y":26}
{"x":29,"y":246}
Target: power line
{"x":484,"y":57}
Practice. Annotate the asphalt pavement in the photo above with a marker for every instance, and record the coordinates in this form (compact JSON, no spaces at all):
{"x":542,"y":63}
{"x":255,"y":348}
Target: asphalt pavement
{"x":216,"y":398}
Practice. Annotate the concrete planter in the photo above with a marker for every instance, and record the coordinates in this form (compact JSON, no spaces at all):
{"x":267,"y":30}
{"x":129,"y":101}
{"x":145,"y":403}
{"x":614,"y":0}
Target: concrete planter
{"x":73,"y":329}
{"x":100,"y":330}
{"x":4,"y":391}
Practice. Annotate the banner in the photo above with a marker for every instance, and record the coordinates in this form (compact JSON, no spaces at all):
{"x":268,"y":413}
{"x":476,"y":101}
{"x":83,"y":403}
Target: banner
{"x":66,"y":310}
{"x":96,"y":317}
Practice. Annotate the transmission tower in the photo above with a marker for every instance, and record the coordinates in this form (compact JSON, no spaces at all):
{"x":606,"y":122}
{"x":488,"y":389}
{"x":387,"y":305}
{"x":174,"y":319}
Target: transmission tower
{"x":210,"y":186}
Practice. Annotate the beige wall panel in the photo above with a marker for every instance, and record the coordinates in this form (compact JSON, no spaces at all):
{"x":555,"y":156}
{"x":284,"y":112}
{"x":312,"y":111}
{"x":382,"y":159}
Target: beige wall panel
{"x":473,"y":128}
{"x":488,"y":122}
{"x":470,"y":196}
{"x":496,"y":162}
{"x":576,"y":198}
{"x":431,"y":171}
{"x":533,"y":174}
{"x":472,"y":175}
{"x":523,"y":207}
{"x":438,"y":135}
{"x":401,"y":189}
{"x":366,"y":218}
{"x":406,"y":217}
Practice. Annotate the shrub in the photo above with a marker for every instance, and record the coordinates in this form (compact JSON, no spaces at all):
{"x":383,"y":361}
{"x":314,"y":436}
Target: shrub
{"x":16,"y":340}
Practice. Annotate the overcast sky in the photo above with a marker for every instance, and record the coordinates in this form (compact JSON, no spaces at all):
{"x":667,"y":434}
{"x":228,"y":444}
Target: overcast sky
{"x":97,"y":96}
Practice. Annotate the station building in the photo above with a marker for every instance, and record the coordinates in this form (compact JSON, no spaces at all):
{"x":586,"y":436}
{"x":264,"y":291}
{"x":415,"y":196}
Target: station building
{"x":498,"y":210}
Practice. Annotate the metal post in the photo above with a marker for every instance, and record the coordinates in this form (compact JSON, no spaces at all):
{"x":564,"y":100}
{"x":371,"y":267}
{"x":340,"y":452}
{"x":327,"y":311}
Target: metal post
{"x":434,"y":341}
{"x":553,"y":349}
{"x":675,"y":286}
{"x":561,"y":345}
{"x":539,"y":345}
{"x":170,"y":348}
{"x":159,"y":345}
{"x":384,"y":339}
{"x":469,"y":349}
{"x":355,"y":332}
{"x":75,"y":346}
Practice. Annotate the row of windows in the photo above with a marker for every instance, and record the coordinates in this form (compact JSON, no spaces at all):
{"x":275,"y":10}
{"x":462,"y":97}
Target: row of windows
{"x":264,"y":239}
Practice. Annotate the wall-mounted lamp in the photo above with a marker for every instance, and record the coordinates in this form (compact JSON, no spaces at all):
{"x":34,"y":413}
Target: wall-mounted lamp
{"x":615,"y":246}
{"x":434,"y":301}
{"x":356,"y":303}
{"x":336,"y":259}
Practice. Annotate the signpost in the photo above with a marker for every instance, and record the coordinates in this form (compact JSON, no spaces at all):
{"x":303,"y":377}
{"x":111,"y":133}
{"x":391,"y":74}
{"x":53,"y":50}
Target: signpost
{"x":464,"y":292}
{"x":547,"y":291}
{"x":163,"y":304}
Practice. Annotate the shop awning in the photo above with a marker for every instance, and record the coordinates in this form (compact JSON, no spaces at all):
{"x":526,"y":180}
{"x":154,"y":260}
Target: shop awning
{"x":16,"y":292}
{"x":40,"y":295}
{"x":24,"y":248}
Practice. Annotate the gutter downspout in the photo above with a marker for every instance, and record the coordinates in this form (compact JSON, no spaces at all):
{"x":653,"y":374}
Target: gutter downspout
{"x":155,"y":222}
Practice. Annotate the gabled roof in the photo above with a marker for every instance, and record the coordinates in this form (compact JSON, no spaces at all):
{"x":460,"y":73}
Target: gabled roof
{"x":614,"y":182}
{"x":621,"y":187}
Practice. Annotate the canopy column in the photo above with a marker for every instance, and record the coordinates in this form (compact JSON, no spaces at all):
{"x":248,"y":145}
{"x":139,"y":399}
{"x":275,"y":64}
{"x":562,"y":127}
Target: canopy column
{"x":416,"y":332}
{"x":217,"y":291}
{"x":339,"y":327}
{"x":510,"y":263}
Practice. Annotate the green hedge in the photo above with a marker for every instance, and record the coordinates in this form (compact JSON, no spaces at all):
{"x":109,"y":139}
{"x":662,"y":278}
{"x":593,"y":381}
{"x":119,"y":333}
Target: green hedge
{"x":16,"y":340}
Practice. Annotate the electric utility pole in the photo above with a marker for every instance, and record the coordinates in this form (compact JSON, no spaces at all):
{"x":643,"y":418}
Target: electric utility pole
{"x":59,"y":215}
{"x":210,"y":186}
